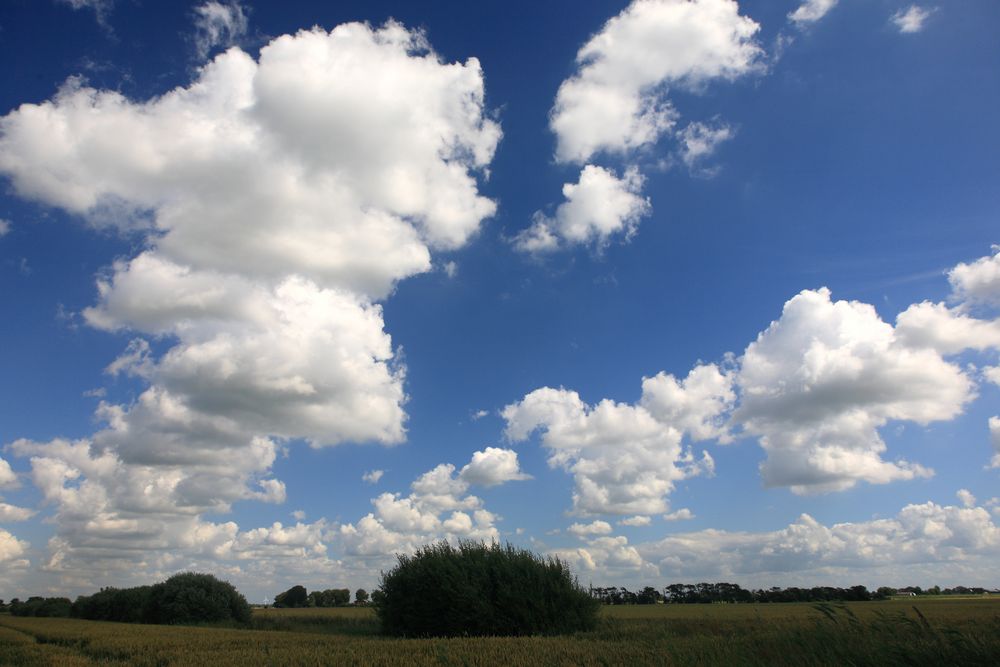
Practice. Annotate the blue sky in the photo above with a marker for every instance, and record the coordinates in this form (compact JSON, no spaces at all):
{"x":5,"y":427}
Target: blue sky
{"x":675,"y":290}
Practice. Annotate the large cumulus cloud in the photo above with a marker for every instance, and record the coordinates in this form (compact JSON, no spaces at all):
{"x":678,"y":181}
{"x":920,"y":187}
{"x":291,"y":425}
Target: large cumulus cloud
{"x":277,"y":200}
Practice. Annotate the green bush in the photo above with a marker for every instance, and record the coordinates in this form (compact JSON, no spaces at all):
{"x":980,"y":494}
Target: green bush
{"x":480,"y":590}
{"x":194,"y":598}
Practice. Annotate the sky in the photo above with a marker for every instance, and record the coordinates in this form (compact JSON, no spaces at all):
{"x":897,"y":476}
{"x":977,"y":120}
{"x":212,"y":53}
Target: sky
{"x":673,"y":290}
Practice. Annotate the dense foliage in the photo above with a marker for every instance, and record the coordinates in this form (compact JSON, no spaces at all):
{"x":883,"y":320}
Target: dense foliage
{"x":296,"y":596}
{"x":195,"y":598}
{"x":182,"y":599}
{"x":480,"y":590}
{"x":41,"y":607}
{"x":124,"y":605}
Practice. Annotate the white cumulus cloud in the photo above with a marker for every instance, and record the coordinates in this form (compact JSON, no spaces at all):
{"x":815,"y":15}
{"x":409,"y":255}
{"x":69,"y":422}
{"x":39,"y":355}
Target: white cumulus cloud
{"x":946,"y":330}
{"x":638,"y":520}
{"x":583,"y":530}
{"x":977,"y":283}
{"x":493,"y":466}
{"x":811,"y":11}
{"x":11,"y":549}
{"x":8,"y":478}
{"x":625,"y":459}
{"x":437,"y":507}
{"x":819,"y":383}
{"x":598,"y":207}
{"x":616,"y":100}
{"x":954,"y":543}
{"x":279,"y":200}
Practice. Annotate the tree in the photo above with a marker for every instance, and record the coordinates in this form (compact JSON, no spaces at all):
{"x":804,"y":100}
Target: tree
{"x":296,"y":596}
{"x":480,"y":590}
{"x":191,"y":597}
{"x":361,"y":596}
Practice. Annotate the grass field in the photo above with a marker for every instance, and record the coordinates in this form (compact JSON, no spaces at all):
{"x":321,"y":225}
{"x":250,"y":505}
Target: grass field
{"x":906,"y":632}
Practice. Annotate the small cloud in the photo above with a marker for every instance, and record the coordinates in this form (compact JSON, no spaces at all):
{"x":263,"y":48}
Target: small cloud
{"x":96,"y":392}
{"x":14,"y":513}
{"x":811,"y":11}
{"x":67,"y":317}
{"x":4,"y":227}
{"x":101,"y":8}
{"x":699,"y":141}
{"x":479,"y":414}
{"x":298,"y":515}
{"x":583,"y":530}
{"x":966,"y":497}
{"x":599,"y":207}
{"x":372,"y":476}
{"x":911,"y":20}
{"x":635,"y":521}
{"x":23,"y":267}
{"x":683,"y":514}
{"x":493,"y":466}
{"x":519,"y":531}
{"x":218,"y":24}
{"x":450,"y":269}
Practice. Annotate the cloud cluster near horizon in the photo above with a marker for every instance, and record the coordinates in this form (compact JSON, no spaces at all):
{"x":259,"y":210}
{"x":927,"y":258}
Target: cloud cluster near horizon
{"x":813,"y":389}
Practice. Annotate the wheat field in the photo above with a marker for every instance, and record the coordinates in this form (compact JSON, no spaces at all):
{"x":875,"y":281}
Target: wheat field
{"x":925,"y":632}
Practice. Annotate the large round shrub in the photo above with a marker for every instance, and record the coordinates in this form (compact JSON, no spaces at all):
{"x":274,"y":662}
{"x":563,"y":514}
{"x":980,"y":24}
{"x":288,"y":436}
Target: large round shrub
{"x":194,"y":598}
{"x":480,"y":590}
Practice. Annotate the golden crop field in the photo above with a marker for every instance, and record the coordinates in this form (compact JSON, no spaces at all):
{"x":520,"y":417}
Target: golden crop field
{"x":928,"y":631}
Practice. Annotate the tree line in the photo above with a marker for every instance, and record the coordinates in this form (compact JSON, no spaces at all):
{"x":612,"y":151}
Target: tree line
{"x":297,"y":596}
{"x":703,"y":593}
{"x":185,"y":598}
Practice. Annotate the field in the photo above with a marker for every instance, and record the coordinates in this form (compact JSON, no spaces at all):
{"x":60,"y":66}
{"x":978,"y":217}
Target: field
{"x":927,"y":631}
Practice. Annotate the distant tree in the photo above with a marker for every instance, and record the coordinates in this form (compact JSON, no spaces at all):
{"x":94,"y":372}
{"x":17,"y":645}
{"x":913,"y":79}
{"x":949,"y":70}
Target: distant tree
{"x":296,"y":596}
{"x":361,"y":596}
{"x":648,"y":595}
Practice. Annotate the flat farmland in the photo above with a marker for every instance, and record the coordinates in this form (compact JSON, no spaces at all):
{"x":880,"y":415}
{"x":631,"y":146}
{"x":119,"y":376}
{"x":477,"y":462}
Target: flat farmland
{"x":905,"y":632}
